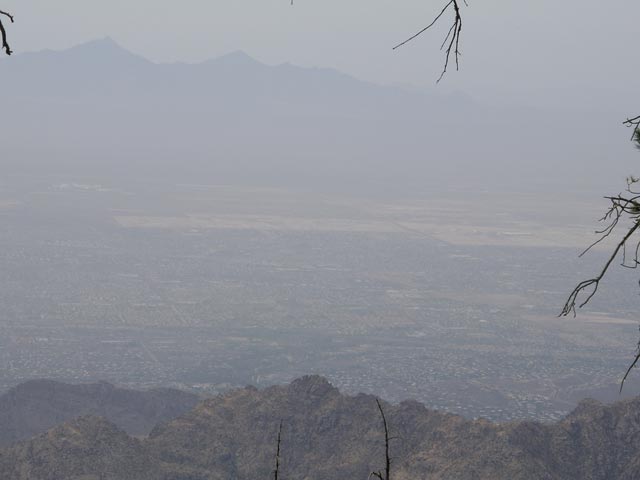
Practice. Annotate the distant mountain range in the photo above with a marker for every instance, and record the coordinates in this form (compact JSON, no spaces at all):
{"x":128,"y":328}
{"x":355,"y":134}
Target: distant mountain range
{"x":97,"y":109}
{"x":329,"y":436}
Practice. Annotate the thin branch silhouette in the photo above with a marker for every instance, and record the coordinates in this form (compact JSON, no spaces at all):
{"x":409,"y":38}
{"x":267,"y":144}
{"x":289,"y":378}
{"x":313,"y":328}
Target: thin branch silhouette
{"x":451,"y":40}
{"x":624,"y":207}
{"x":276,"y":471}
{"x":387,"y":470}
{"x":3,"y":33}
{"x":635,"y":124}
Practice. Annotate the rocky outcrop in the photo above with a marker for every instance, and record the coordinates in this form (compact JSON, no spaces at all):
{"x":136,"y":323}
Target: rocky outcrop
{"x":329,"y":436}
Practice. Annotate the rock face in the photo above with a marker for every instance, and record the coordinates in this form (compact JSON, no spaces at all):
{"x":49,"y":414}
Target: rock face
{"x":329,"y":436}
{"x":87,"y":448}
{"x":36,"y":406}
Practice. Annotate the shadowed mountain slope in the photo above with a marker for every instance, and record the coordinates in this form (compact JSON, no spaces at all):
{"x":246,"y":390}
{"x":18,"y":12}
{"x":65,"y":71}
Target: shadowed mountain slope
{"x":36,"y":406}
{"x":87,"y":448}
{"x":329,"y":436}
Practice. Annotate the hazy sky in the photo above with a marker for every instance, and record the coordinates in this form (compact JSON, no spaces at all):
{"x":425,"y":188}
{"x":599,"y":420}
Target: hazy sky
{"x":576,"y":52}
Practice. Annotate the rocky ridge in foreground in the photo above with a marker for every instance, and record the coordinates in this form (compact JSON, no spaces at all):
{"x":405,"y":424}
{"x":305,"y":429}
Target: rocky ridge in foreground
{"x":330,"y":436}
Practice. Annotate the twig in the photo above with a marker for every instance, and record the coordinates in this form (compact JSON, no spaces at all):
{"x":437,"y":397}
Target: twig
{"x":451,"y":40}
{"x":412,"y":37}
{"x":622,"y":207}
{"x":3,"y":33}
{"x":635,"y":124}
{"x":633,"y":364}
{"x":570,"y":305}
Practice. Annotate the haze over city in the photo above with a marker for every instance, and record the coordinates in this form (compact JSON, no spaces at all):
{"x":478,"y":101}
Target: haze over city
{"x":214,"y":197}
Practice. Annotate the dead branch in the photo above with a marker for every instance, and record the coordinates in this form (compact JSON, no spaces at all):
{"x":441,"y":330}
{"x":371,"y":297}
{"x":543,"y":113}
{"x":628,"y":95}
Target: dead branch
{"x":3,"y":33}
{"x":635,"y":124}
{"x":570,"y":305}
{"x":623,"y":208}
{"x":387,"y":475}
{"x":631,"y":367}
{"x":451,"y":40}
{"x":276,"y":471}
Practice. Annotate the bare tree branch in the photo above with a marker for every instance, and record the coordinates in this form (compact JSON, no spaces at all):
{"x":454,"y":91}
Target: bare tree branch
{"x":451,"y":40}
{"x":623,"y":207}
{"x":276,"y":472}
{"x":446,"y":7}
{"x":387,"y":471}
{"x":631,"y":367}
{"x":3,"y":33}
{"x":635,"y":124}
{"x":570,"y":305}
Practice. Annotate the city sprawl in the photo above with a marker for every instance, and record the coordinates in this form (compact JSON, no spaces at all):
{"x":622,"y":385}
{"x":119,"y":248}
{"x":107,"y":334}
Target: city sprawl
{"x":208,"y":287}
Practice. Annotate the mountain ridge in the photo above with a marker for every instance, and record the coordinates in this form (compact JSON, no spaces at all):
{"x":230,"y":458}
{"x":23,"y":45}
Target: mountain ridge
{"x":327,"y":436}
{"x":99,"y":110}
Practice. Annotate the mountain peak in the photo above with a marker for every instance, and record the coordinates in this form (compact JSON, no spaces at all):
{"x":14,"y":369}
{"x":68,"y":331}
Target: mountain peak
{"x":103,"y":50}
{"x":236,"y":58}
{"x":105,"y":43}
{"x":314,"y":386}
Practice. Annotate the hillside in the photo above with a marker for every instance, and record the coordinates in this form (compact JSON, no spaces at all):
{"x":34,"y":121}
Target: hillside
{"x":36,"y":406}
{"x":86,"y":448}
{"x":330,"y":436}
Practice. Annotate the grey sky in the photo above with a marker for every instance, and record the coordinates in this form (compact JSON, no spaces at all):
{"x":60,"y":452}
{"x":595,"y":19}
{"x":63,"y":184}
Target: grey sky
{"x":577,"y":52}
